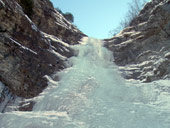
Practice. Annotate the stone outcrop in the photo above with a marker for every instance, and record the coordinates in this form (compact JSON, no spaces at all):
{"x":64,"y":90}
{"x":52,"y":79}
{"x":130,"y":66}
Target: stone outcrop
{"x":142,"y":50}
{"x":32,"y":47}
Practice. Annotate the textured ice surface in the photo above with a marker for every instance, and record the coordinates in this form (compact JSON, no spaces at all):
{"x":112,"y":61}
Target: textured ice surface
{"x":92,"y":94}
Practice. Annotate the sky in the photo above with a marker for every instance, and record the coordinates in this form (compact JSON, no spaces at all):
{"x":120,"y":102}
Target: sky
{"x":95,"y":17}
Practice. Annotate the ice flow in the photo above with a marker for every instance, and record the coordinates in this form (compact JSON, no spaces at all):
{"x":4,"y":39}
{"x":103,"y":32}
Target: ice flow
{"x":92,"y":94}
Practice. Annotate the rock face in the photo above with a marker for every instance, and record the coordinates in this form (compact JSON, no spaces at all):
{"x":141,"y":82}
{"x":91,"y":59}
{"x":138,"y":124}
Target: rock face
{"x":142,"y":50}
{"x":32,"y":47}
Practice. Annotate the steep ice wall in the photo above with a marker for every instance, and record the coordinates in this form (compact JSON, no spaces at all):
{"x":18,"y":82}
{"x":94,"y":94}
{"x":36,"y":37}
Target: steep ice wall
{"x":91,"y":94}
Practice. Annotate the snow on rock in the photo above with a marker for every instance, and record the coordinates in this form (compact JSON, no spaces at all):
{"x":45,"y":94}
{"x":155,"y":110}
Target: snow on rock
{"x":145,"y":43}
{"x":57,"y":47}
{"x":92,"y":94}
{"x":2,"y":3}
{"x":167,"y":55}
{"x":26,"y":55}
{"x":28,"y":49}
{"x":34,"y":27}
{"x":58,"y":54}
{"x":55,"y":39}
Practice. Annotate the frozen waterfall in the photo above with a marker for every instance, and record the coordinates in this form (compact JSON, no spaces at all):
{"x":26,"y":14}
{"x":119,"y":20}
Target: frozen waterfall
{"x":92,"y":94}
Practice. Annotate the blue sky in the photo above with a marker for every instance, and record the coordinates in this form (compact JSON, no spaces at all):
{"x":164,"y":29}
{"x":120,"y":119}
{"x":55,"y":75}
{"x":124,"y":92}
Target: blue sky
{"x":95,"y":17}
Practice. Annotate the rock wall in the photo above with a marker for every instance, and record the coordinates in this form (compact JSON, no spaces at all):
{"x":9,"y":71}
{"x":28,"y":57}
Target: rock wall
{"x":142,"y":50}
{"x":32,"y":47}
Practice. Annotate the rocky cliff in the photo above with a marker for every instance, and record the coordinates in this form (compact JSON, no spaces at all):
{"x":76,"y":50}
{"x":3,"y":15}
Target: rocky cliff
{"x":31,"y":46}
{"x":142,"y":50}
{"x":36,"y":44}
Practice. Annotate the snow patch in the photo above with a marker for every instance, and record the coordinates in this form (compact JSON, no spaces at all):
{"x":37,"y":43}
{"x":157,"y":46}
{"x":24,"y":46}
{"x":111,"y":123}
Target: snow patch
{"x":28,"y":49}
{"x":32,"y":24}
{"x":2,"y":2}
{"x":55,"y":39}
{"x":167,"y":55}
{"x":57,"y":54}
